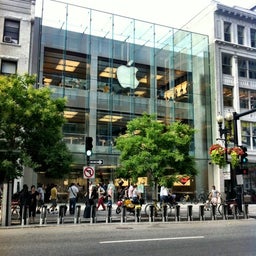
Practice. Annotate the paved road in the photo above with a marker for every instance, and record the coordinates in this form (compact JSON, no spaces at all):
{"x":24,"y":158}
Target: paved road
{"x":211,"y":238}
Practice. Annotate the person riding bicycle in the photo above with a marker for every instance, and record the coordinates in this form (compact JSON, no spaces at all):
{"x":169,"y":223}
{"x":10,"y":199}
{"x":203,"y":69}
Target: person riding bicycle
{"x":213,"y":196}
{"x":164,"y":193}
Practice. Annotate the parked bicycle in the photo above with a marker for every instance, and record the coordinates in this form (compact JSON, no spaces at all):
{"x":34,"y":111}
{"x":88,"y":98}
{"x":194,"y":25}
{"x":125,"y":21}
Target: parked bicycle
{"x":186,"y":198}
{"x":232,"y":207}
{"x":158,"y":208}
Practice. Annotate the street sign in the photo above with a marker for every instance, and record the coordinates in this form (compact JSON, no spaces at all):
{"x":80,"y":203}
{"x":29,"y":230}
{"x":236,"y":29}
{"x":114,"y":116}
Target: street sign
{"x":88,"y":172}
{"x":96,"y":161}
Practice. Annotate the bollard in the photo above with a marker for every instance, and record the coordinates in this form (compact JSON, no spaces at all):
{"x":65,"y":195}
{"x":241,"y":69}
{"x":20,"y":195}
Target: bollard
{"x":137,"y":213}
{"x":177,"y":212}
{"x":151,"y":213}
{"x":190,"y":212}
{"x":123,"y":219}
{"x":225,"y":211}
{"x":201,"y":212}
{"x":24,"y":215}
{"x":77,"y":218}
{"x":164,"y":211}
{"x":61,"y":214}
{"x":235,"y":211}
{"x":109,"y":213}
{"x":213,"y":211}
{"x":93,"y":214}
{"x":43,"y":215}
{"x":246,"y":211}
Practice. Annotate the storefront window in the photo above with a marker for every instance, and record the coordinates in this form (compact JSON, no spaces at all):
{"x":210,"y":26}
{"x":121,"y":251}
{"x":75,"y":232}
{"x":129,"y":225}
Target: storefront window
{"x":228,"y":96}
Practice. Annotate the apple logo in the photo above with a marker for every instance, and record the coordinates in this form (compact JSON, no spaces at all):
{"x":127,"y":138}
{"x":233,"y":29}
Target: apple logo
{"x":126,"y":76}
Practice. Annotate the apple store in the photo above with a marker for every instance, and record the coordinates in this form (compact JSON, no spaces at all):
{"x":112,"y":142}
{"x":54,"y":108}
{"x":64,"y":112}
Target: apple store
{"x":111,"y":69}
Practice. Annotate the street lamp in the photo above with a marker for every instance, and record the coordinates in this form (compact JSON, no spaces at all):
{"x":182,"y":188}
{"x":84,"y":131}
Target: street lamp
{"x":227,"y":130}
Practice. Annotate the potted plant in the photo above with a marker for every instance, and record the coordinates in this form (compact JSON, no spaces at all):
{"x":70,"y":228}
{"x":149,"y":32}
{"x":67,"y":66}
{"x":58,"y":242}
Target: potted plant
{"x":235,"y":152}
{"x":217,"y":154}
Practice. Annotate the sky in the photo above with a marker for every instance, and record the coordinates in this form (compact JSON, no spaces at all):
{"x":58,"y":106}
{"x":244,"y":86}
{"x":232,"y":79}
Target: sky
{"x":165,"y":12}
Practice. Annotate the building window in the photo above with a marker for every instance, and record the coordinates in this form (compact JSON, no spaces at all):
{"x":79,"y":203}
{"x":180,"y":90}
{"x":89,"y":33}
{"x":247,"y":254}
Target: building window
{"x":253,"y":99}
{"x":240,"y":34}
{"x":242,"y":68}
{"x":244,"y":98}
{"x":8,"y":67}
{"x":11,"y":31}
{"x":228,"y":96}
{"x":226,"y":64}
{"x":246,"y":135}
{"x":252,"y":69}
{"x":227,"y":31}
{"x":253,"y":37}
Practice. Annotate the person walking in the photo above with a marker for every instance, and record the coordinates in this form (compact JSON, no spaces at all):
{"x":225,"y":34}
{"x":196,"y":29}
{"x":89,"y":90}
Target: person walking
{"x":32,"y":204}
{"x":73,"y":193}
{"x":40,"y":201}
{"x":101,"y":193}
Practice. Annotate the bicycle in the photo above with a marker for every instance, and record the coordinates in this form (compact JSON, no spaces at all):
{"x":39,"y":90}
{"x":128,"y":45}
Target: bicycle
{"x":232,"y":207}
{"x":157,"y":208}
{"x":186,"y":198}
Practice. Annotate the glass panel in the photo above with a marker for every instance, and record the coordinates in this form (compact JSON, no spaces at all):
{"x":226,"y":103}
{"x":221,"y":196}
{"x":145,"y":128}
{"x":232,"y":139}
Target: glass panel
{"x":246,"y":134}
{"x":254,"y":135}
{"x":11,"y":31}
{"x":9,"y":67}
{"x":253,"y":99}
{"x":253,"y":37}
{"x":227,"y":31}
{"x":242,"y":67}
{"x":244,"y":98}
{"x":226,"y":64}
{"x":252,"y":69}
{"x":240,"y":34}
{"x":228,"y":96}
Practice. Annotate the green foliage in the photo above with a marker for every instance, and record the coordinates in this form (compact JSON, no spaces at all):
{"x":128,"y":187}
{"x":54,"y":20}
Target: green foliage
{"x":150,"y":148}
{"x":30,"y":128}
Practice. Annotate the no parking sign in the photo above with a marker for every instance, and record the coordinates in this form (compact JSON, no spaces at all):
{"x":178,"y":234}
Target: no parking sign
{"x":88,"y":172}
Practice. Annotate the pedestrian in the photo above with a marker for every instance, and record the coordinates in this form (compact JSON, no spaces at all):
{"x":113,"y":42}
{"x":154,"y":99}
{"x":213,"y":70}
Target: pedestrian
{"x":32,"y":204}
{"x":164,"y":192}
{"x":130,"y":190}
{"x":101,"y":194}
{"x":24,"y":199}
{"x":135,"y":195}
{"x":73,"y":194}
{"x":213,"y":196}
{"x":53,"y":199}
{"x":40,"y":201}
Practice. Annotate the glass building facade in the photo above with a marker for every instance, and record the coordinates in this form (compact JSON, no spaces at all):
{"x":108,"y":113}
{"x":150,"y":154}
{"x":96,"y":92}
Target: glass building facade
{"x":112,"y":69}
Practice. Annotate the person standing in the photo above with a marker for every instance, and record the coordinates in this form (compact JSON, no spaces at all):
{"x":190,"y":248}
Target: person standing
{"x":73,"y":193}
{"x":130,"y":191}
{"x":40,"y":201}
{"x":24,"y":199}
{"x":33,"y":203}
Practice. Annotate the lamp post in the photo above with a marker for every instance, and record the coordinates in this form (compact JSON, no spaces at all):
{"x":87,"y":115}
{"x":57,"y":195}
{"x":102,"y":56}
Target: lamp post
{"x":227,"y":130}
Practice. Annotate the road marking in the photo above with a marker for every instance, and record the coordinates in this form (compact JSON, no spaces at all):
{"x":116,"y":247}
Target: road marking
{"x":152,"y":239}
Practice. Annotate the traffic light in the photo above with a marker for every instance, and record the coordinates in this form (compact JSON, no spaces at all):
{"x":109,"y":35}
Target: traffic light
{"x":88,"y":145}
{"x":244,"y":171}
{"x":244,"y":158}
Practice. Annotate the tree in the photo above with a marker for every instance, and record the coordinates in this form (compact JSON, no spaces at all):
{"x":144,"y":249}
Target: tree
{"x":31,"y":129}
{"x":153,"y":149}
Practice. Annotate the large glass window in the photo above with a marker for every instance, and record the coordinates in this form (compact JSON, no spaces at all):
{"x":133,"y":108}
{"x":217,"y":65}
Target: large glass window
{"x":246,"y":134}
{"x":252,"y":69}
{"x":253,"y":37}
{"x":64,"y":68}
{"x":253,"y":99}
{"x":227,"y":31}
{"x":11,"y":31}
{"x":242,"y":67}
{"x":240,"y":34}
{"x":226,"y":64}
{"x":228,"y":96}
{"x":244,"y":98}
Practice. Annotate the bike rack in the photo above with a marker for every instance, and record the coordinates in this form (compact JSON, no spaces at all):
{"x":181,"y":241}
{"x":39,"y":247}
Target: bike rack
{"x":137,"y":213}
{"x":43,"y":215}
{"x":93,"y":218}
{"x":177,"y":212}
{"x":190,"y":212}
{"x":151,"y":213}
{"x":213,"y":211}
{"x":201,"y":212}
{"x":123,"y":219}
{"x":225,"y":211}
{"x":60,"y":219}
{"x":164,"y":213}
{"x":246,"y":212}
{"x":77,"y":218}
{"x":109,"y":213}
